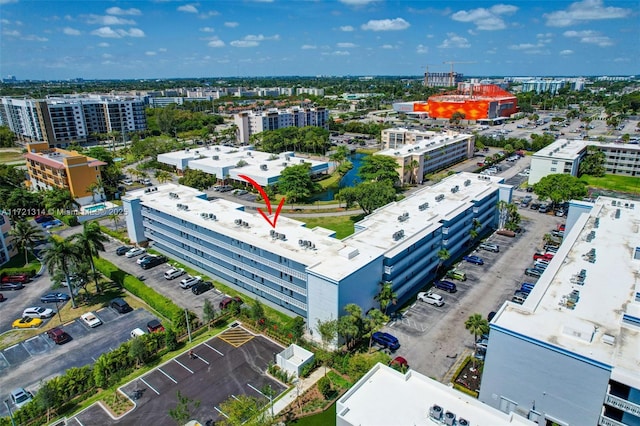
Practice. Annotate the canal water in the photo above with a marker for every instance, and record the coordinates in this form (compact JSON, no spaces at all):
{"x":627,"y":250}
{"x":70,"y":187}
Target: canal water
{"x":350,"y":179}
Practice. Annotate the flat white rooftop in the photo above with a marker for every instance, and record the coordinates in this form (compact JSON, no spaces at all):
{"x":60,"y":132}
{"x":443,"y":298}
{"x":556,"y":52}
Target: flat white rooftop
{"x":334,"y":257}
{"x":431,"y":142}
{"x":602,"y":321}
{"x":564,"y":149}
{"x":421,"y":212}
{"x":386,"y":397}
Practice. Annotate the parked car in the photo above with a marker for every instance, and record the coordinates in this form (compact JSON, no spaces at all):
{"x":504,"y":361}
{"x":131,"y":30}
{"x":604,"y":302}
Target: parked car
{"x":27,"y":322}
{"x":399,"y":362}
{"x":556,"y":233}
{"x":190,"y":281}
{"x":127,"y":182}
{"x":55,"y":297}
{"x":228,"y":301}
{"x":120,"y":305}
{"x":145,"y":257}
{"x":446,"y":285}
{"x":43,"y":218}
{"x":544,"y":208}
{"x":136,"y":251}
{"x":16,"y":278}
{"x":173,"y":273}
{"x":90,"y":319}
{"x":20,"y":397}
{"x":385,"y":340}
{"x":534,"y":206}
{"x":533,"y":272}
{"x":474,"y":259}
{"x":431,"y":298}
{"x":153,"y":262}
{"x":545,"y":256}
{"x":58,"y":335}
{"x":457,"y":274}
{"x":122,"y":250}
{"x":201,"y":287}
{"x":11,"y":286}
{"x":560,"y":213}
{"x":550,"y":248}
{"x":489,"y":247}
{"x":38,"y":312}
{"x":137,"y":332}
{"x":155,"y":326}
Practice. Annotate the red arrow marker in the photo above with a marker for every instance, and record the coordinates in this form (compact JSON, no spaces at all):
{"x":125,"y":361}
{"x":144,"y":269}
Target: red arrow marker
{"x":257,"y":186}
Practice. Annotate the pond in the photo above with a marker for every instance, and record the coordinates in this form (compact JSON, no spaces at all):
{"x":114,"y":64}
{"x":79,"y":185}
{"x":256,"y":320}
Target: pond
{"x":350,"y":179}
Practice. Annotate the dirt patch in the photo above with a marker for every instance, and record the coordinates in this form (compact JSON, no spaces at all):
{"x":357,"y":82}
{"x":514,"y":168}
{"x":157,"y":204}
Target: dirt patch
{"x":470,"y":376}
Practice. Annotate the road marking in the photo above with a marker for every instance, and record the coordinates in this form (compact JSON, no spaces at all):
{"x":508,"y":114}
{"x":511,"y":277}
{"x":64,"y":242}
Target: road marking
{"x":213,"y":349}
{"x":218,"y":410}
{"x":150,"y":387}
{"x":234,"y":397}
{"x":253,"y":387}
{"x":33,"y":338}
{"x":183,"y":366}
{"x":170,"y":378}
{"x":79,"y":422}
{"x":203,"y":360}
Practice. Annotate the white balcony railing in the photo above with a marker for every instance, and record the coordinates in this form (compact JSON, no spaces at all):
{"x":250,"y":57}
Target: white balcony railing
{"x":606,"y":421}
{"x":623,"y":404}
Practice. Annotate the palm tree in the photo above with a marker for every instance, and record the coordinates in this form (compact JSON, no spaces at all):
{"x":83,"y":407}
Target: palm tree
{"x":163,"y":176}
{"x":374,"y":321}
{"x":443,"y":254}
{"x":91,"y":242}
{"x":61,"y":255}
{"x":25,"y":236}
{"x":412,"y":167}
{"x":115,"y":217}
{"x":477,"y":325}
{"x":386,"y":296}
{"x":92,"y":189}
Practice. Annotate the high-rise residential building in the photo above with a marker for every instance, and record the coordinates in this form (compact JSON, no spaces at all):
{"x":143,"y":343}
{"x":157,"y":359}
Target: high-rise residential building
{"x":7,"y":248}
{"x":307,"y":271}
{"x":58,"y":168}
{"x":253,"y":122}
{"x":61,"y":121}
{"x":570,"y":354}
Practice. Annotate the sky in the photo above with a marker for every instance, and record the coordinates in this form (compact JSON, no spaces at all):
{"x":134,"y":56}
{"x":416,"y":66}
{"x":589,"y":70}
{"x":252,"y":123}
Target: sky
{"x":58,"y":40}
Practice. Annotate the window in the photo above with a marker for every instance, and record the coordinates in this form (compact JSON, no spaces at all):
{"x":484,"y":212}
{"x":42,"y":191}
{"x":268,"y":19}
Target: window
{"x":507,"y":406}
{"x":553,"y":169}
{"x":554,"y":162}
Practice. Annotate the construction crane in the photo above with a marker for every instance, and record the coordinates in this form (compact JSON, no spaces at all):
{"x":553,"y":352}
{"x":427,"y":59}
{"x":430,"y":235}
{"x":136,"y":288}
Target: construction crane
{"x":426,"y":75}
{"x":451,"y":72}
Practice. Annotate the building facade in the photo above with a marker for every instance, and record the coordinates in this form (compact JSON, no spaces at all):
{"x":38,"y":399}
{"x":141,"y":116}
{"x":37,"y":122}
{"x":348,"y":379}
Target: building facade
{"x":253,"y":122}
{"x":7,"y":248}
{"x":308,"y":272}
{"x":569,"y":354}
{"x":59,"y":168}
{"x":419,"y":153}
{"x":65,"y":120}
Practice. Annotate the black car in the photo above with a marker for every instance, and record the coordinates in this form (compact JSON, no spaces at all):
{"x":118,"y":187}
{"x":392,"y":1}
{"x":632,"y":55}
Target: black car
{"x":534,"y":206}
{"x":120,"y":305}
{"x":120,"y":251}
{"x":201,"y":287}
{"x":11,"y":286}
{"x":55,"y":297}
{"x":153,"y":261}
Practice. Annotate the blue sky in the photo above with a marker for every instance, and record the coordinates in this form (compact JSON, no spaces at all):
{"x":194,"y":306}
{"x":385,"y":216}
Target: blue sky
{"x":164,"y":39}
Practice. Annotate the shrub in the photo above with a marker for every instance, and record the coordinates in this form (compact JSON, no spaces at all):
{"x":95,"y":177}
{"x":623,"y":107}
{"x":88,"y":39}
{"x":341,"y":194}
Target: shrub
{"x":324,"y":386}
{"x":157,"y":301}
{"x":70,"y":220}
{"x":29,"y":270}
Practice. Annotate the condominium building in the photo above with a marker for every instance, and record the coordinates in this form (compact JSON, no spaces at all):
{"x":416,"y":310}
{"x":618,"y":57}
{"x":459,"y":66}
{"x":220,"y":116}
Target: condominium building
{"x":310,"y":90}
{"x":228,"y":163}
{"x":7,"y":248}
{"x":570,"y":354}
{"x":253,"y":122}
{"x":61,"y":121}
{"x":385,"y":397}
{"x":307,"y":271}
{"x":59,"y":168}
{"x":419,"y":153}
{"x":552,"y":86}
{"x":564,"y":156}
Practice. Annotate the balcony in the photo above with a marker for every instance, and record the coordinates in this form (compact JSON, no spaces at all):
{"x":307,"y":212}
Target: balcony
{"x":607,"y":421}
{"x":622,"y":404}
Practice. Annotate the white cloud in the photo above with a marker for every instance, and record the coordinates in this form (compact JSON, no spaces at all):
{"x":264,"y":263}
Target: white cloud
{"x":422,"y":49}
{"x":585,"y":11}
{"x":357,"y":2}
{"x":454,"y":41}
{"x":11,"y":33}
{"x":386,"y":25}
{"x":215,"y":42}
{"x":346,"y":45}
{"x":5,"y":22}
{"x":231,"y":24}
{"x":33,"y":37}
{"x":566,"y":52}
{"x":150,"y":53}
{"x":308,"y":46}
{"x":209,"y":14}
{"x":207,"y":30}
{"x":189,"y":8}
{"x":590,"y":37}
{"x":524,"y":46}
{"x":119,"y":11}
{"x":261,"y":37}
{"x":486,"y":19}
{"x":8,"y":1}
{"x":108,"y":20}
{"x":71,"y":31}
{"x":341,"y":53}
{"x":107,"y":55}
{"x":386,"y":46}
{"x":162,"y":49}
{"x":103,"y":44}
{"x":244,"y":43}
{"x":108,"y":32}
{"x":346,"y":28}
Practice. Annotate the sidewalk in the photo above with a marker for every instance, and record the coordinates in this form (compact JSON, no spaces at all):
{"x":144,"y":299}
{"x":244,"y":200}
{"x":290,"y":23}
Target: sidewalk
{"x":298,"y":389}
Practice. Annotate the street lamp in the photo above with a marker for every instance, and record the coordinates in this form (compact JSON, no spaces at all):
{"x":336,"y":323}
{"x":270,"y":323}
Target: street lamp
{"x":6,"y":404}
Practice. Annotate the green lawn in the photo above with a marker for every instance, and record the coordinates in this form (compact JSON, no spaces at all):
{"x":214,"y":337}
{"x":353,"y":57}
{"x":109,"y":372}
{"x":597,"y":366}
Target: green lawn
{"x":17,"y":261}
{"x":326,"y":418}
{"x":343,"y":225}
{"x":613,"y":183}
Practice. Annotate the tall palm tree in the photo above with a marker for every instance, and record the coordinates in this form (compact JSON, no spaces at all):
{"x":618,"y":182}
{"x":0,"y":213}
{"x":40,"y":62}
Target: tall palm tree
{"x":386,"y":296}
{"x":443,"y":254}
{"x":115,"y":217}
{"x":61,"y":255}
{"x":25,"y":236}
{"x":163,"y":176}
{"x":477,"y":325}
{"x":412,"y":167}
{"x":91,"y":242}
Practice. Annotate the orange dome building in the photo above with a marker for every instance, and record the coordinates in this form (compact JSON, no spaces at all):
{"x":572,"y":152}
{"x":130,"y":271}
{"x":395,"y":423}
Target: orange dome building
{"x":475,"y":101}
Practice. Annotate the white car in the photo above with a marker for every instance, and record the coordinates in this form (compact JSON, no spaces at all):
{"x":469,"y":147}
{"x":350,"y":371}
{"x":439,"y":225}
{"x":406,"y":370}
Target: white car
{"x":173,"y":273}
{"x":127,"y":182}
{"x":136,"y":251}
{"x":431,"y":298}
{"x":90,"y":319}
{"x":20,"y":397}
{"x":38,"y":312}
{"x":190,"y":281}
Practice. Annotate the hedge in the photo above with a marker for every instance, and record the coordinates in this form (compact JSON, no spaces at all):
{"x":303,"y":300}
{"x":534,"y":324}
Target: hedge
{"x":29,"y":270}
{"x":70,"y":220}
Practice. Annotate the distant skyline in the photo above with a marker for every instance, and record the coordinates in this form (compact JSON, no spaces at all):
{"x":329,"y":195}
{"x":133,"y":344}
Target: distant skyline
{"x":59,"y":40}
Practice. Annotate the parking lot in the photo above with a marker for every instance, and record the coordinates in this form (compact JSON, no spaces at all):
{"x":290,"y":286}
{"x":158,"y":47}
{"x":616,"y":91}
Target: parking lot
{"x":27,"y":363}
{"x":230,"y":364}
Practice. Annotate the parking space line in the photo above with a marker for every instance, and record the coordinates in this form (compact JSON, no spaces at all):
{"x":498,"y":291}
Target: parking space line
{"x":79,"y":422}
{"x":213,"y":349}
{"x":170,"y":378}
{"x":203,"y":360}
{"x":252,"y":387}
{"x":150,"y":387}
{"x":183,"y":366}
{"x":218,"y":410}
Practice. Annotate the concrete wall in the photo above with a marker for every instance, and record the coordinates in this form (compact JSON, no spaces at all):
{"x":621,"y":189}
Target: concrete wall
{"x":133,"y":218}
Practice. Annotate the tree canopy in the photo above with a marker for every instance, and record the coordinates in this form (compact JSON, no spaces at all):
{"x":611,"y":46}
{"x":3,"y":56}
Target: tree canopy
{"x":379,"y":168}
{"x":303,"y":139}
{"x":295,"y":182}
{"x":369,"y":195}
{"x":197,"y":179}
{"x":593,"y":162}
{"x":560,"y":188}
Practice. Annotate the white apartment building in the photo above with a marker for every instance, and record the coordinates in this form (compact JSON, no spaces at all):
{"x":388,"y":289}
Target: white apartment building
{"x":419,"y":153}
{"x":307,"y":271}
{"x":571,"y":353}
{"x":384,"y":397}
{"x":310,"y":90}
{"x":253,"y":122}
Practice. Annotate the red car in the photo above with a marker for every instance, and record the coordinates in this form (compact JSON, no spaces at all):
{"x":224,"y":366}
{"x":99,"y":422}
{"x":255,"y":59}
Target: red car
{"x":560,"y":227}
{"x":542,"y":256}
{"x":16,"y":278}
{"x":480,"y":164}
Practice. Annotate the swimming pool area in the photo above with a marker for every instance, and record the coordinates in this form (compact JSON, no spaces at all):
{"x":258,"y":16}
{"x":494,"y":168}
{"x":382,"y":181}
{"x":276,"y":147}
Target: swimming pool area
{"x":95,"y":208}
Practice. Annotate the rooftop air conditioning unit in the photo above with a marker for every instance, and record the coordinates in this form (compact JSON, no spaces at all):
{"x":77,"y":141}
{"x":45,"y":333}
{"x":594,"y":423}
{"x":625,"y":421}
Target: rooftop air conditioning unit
{"x":284,"y":164}
{"x":238,"y":221}
{"x":263,"y":167}
{"x":249,"y":154}
{"x":467,"y":182}
{"x":435,"y":412}
{"x":212,"y":216}
{"x":302,"y":161}
{"x":449,"y":418}
{"x":204,"y":215}
{"x":463,"y":422}
{"x":301,"y":242}
{"x":281,"y":236}
{"x":215,"y":157}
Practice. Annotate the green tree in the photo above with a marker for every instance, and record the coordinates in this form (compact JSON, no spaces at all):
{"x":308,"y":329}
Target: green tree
{"x":208,"y":312}
{"x":372,"y":195}
{"x":324,"y":386}
{"x":593,"y":162}
{"x":241,"y":410}
{"x":59,"y":200}
{"x":61,"y":255}
{"x":197,"y":179}
{"x":91,"y":242}
{"x":477,"y":325}
{"x":48,"y":397}
{"x":443,"y":255}
{"x":256,"y":311}
{"x":328,"y":333}
{"x":7,"y":137}
{"x":138,"y":350}
{"x":378,"y":168}
{"x":560,"y":188}
{"x":295,"y":182}
{"x":115,"y":217}
{"x":170,"y":339}
{"x":386,"y":296}
{"x":373,"y":321}
{"x":11,"y":176}
{"x":163,"y":176}
{"x":412,"y":168}
{"x":182,"y":412}
{"x":350,"y":325}
{"x":456,"y":118}
{"x":25,"y":236}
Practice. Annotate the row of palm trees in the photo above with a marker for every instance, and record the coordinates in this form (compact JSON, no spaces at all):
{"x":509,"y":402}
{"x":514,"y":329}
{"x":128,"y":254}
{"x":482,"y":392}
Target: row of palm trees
{"x":63,"y":254}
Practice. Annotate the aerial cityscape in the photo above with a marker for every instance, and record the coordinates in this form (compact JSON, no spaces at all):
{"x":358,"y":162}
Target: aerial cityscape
{"x":349,"y":212}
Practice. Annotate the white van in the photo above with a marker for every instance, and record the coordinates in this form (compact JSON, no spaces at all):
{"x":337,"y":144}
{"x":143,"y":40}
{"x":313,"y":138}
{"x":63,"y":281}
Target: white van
{"x":137,"y":332}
